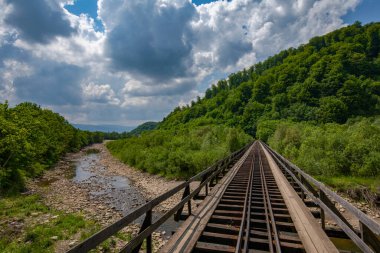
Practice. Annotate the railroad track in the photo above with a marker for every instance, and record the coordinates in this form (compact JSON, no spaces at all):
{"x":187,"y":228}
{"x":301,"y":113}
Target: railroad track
{"x":250,"y":213}
{"x":252,"y":202}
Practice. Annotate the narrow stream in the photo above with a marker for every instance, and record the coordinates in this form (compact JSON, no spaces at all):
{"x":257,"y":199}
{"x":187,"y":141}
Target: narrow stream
{"x":115,"y":191}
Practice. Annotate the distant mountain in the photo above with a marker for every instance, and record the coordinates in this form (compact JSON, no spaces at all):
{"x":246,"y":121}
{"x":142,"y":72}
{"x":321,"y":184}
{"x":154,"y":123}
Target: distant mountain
{"x":150,"y":125}
{"x":104,"y":128}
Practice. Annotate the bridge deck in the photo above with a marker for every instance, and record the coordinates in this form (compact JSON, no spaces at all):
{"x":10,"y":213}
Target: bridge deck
{"x":253,"y":209}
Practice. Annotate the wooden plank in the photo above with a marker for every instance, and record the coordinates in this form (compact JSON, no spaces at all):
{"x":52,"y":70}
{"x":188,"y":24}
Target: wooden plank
{"x":188,"y":233}
{"x":312,"y":236}
{"x":211,"y":247}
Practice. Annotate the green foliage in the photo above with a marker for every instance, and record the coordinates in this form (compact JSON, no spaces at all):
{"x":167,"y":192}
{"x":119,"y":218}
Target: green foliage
{"x":178,"y":153}
{"x":32,"y":139}
{"x":37,"y":236}
{"x":351,"y":149}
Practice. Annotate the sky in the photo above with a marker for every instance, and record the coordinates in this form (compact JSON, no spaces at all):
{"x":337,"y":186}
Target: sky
{"x":125,"y":62}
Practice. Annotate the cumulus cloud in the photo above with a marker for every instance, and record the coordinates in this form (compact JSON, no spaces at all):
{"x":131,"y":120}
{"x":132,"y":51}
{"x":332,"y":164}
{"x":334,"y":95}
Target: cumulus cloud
{"x":145,"y":87}
{"x":38,"y":20}
{"x":152,"y":55}
{"x":152,"y":38}
{"x":238,"y":32}
{"x":100,"y":93}
{"x":51,"y":84}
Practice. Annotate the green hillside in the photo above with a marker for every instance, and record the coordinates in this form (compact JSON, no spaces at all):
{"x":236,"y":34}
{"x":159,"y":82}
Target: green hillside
{"x":147,"y":126}
{"x":330,"y":79}
{"x":32,"y":139}
{"x":300,"y":101}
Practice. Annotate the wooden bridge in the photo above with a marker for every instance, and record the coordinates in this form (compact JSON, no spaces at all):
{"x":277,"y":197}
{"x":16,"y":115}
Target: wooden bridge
{"x":252,"y":201}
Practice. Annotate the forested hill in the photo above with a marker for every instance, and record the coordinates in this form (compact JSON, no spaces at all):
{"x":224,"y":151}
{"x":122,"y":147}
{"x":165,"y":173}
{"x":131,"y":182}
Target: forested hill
{"x":147,"y":126}
{"x":330,"y":79}
{"x":32,"y":139}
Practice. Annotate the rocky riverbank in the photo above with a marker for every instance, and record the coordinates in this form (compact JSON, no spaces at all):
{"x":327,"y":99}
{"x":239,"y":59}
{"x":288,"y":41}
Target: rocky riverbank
{"x":103,"y":191}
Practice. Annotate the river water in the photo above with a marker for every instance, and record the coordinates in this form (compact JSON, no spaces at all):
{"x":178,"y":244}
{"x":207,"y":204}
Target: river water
{"x":115,"y":191}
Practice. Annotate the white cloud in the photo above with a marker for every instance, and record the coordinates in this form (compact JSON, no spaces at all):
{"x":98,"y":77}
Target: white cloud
{"x":100,"y":93}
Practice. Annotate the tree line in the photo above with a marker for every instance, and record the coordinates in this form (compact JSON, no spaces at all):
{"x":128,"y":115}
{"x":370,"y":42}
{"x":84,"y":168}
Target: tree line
{"x":32,"y":139}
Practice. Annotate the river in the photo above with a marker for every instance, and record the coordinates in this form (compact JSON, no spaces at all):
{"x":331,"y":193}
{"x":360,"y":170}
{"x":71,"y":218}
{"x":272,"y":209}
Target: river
{"x":117,"y":192}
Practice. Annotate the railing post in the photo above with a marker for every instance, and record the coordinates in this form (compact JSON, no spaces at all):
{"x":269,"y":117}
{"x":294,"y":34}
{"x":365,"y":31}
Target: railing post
{"x":149,"y":238}
{"x":146,"y":223}
{"x":322,"y":197}
{"x":369,"y":237}
{"x":177,"y":216}
{"x":302,"y":191}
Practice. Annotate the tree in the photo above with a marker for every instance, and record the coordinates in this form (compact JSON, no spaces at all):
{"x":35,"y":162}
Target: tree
{"x":332,"y":109}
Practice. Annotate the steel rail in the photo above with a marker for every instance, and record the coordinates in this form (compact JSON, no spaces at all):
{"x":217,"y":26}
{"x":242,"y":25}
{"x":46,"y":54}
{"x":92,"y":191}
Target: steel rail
{"x":269,"y":206}
{"x":245,"y":221}
{"x":248,"y":229}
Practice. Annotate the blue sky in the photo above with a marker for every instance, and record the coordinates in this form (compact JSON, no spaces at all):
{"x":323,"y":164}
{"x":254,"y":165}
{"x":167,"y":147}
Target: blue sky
{"x":367,"y":11}
{"x":154,"y":54}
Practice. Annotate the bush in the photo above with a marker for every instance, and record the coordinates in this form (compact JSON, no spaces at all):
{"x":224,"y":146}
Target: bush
{"x":179,"y":153}
{"x":352,"y":149}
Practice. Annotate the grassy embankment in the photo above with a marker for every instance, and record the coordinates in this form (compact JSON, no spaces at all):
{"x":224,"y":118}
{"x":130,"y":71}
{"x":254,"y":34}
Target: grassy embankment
{"x":28,"y":225}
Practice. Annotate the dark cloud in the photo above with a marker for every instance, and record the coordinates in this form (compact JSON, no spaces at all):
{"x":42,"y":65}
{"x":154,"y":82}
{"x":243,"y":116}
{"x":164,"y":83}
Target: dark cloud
{"x":152,"y":40}
{"x":51,"y":84}
{"x":229,"y":52}
{"x":38,"y":20}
